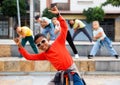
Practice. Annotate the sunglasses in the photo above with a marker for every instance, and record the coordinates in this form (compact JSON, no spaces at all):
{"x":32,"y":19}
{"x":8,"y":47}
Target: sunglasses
{"x":42,"y":42}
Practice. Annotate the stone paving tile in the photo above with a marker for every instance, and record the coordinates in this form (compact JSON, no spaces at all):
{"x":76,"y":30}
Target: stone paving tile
{"x":102,"y":80}
{"x":7,"y":82}
{"x":45,"y":78}
{"x":15,"y":80}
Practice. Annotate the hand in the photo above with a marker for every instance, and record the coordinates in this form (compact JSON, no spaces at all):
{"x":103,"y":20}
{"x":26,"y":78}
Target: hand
{"x":17,"y":41}
{"x":54,"y":10}
{"x":56,"y":31}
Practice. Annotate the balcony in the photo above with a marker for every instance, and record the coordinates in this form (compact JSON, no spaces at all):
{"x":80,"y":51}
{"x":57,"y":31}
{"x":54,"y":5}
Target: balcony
{"x":63,"y":6}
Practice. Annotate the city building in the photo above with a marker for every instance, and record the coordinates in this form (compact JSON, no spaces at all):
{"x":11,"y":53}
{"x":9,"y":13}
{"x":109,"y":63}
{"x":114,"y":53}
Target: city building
{"x":70,"y":9}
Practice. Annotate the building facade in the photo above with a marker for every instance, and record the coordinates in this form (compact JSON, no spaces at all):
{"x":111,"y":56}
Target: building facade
{"x":72,"y":9}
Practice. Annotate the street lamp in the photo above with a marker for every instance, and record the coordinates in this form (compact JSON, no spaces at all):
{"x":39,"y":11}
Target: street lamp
{"x":18,"y":13}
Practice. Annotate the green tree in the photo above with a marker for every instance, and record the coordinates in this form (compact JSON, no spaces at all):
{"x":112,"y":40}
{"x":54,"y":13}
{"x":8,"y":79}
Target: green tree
{"x":47,"y":14}
{"x":9,"y":7}
{"x":112,"y":2}
{"x":95,"y":13}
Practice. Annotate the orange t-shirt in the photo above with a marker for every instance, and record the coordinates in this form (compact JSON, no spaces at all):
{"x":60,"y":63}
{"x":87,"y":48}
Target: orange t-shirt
{"x":57,"y":54}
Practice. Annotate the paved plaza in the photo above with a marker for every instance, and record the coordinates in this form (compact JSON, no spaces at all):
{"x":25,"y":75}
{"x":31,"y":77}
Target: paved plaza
{"x":44,"y":78}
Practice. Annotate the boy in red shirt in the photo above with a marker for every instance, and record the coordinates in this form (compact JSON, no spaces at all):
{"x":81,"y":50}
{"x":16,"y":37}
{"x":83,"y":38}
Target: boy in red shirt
{"x":56,"y":53}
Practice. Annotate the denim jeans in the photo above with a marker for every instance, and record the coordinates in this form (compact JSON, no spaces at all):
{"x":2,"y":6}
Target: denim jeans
{"x":105,"y":43}
{"x":77,"y":80}
{"x":32,"y":44}
{"x":49,"y":29}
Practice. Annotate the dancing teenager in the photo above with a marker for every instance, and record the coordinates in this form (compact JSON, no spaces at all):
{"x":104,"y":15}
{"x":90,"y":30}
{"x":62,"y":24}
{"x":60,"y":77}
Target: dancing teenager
{"x":56,"y":53}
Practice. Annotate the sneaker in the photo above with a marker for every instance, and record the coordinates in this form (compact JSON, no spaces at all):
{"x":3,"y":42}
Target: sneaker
{"x":116,"y":56}
{"x":76,"y":56}
{"x":93,"y":42}
{"x":90,"y":56}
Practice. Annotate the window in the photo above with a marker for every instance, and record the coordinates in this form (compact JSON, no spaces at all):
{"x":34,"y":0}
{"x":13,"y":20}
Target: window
{"x":108,"y":27}
{"x":4,"y":29}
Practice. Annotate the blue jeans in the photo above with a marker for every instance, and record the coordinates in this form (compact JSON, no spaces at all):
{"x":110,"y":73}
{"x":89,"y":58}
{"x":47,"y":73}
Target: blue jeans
{"x":107,"y":43}
{"x":76,"y":80}
{"x":49,"y":29}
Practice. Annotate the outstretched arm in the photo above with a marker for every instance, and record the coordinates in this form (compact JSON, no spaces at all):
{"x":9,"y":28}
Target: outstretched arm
{"x":64,"y":28}
{"x":26,"y":54}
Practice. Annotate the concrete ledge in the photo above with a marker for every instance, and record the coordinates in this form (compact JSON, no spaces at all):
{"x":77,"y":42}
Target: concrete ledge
{"x":101,"y":64}
{"x":83,"y":49}
{"x":102,"y":73}
{"x":11,"y":42}
{"x":9,"y":48}
{"x":97,"y":73}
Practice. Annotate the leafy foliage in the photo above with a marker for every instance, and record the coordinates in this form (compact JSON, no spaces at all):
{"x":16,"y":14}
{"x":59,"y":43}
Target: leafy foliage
{"x":9,"y":7}
{"x":96,"y":13}
{"x":48,"y":14}
{"x":112,"y":2}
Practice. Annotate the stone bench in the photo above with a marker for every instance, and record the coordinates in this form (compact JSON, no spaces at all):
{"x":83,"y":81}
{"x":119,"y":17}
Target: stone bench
{"x":100,"y":64}
{"x":8,"y":48}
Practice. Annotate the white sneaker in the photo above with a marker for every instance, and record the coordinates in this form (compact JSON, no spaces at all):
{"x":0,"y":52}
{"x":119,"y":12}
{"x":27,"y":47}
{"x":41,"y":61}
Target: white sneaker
{"x":76,"y":56}
{"x":93,"y":42}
